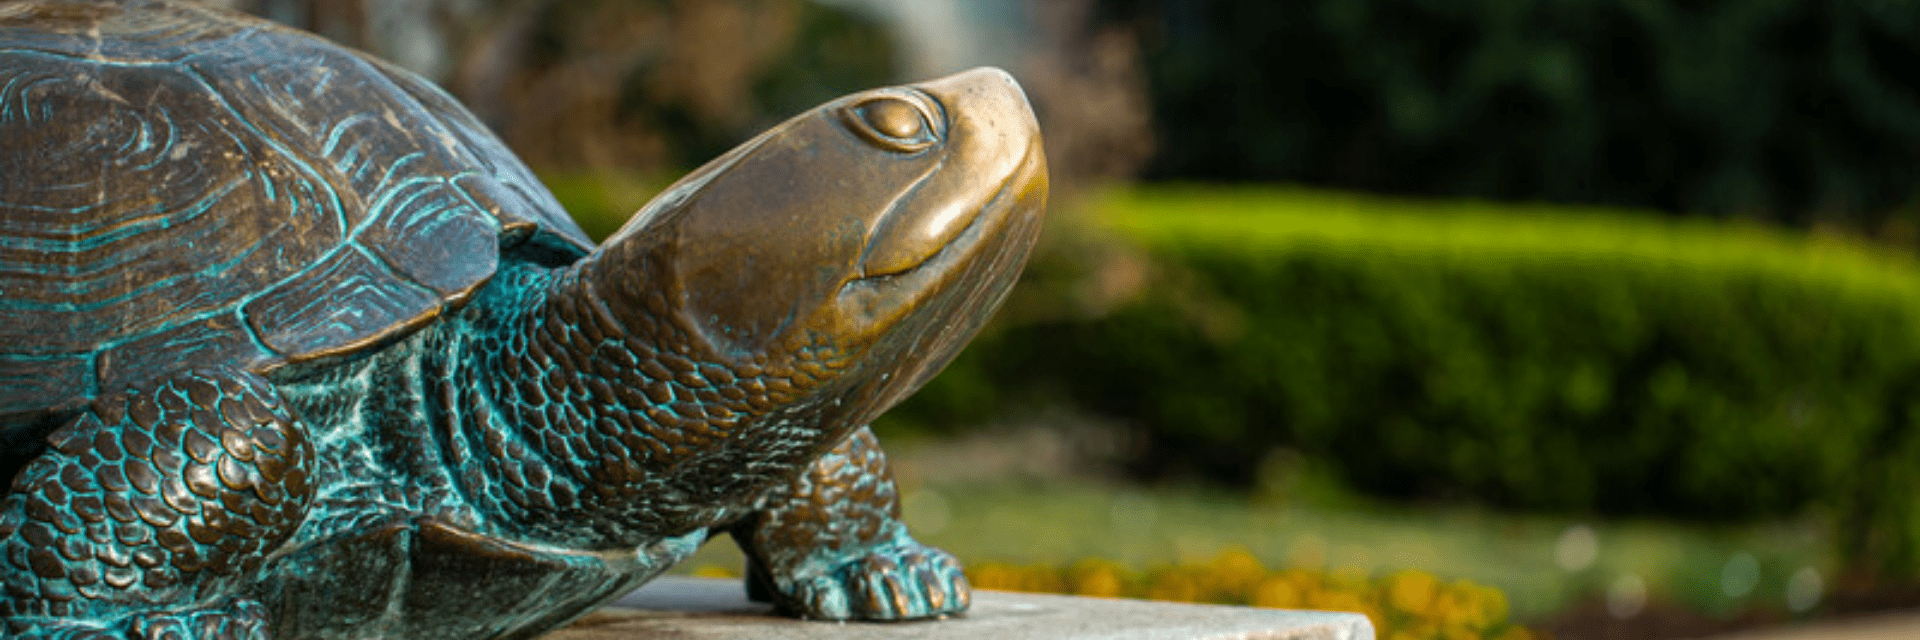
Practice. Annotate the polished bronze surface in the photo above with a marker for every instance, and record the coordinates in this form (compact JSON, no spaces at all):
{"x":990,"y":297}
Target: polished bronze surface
{"x":294,"y":347}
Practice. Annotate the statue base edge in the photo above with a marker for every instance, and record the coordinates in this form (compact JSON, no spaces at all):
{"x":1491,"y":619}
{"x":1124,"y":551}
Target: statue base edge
{"x":701,"y":608}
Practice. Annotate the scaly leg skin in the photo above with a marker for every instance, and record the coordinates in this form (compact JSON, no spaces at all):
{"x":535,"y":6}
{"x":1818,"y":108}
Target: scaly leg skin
{"x":150,"y":509}
{"x":832,"y":547}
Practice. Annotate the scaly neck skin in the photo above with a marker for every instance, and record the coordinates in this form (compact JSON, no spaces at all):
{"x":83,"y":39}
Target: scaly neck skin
{"x":596,"y":421}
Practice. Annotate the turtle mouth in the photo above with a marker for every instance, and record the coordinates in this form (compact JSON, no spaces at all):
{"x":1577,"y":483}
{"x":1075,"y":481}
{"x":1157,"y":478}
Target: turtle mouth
{"x":925,"y":314}
{"x":1016,"y":202}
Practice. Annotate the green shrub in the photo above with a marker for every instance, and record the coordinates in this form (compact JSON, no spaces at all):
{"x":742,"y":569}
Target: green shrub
{"x":1804,"y":111}
{"x":1567,"y":360}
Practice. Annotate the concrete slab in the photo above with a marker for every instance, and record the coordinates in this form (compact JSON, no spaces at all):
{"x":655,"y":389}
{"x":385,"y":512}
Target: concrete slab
{"x":699,"y":609}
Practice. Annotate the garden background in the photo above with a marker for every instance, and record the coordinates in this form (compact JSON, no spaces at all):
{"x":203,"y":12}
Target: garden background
{"x":1490,"y":318}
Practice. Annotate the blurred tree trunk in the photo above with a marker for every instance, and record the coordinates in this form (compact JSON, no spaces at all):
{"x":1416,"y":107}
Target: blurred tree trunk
{"x":651,"y":86}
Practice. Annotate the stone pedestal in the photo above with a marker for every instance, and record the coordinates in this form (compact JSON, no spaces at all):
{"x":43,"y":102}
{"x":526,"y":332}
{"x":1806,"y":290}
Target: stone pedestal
{"x":699,"y":609}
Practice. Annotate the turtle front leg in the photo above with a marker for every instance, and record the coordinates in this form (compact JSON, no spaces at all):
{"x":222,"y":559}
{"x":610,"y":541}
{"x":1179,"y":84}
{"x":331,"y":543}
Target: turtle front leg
{"x":832,"y":545}
{"x":151,"y":509}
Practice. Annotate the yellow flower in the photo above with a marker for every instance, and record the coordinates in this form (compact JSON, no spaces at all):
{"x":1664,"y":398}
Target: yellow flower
{"x":1098,"y":578}
{"x":1411,"y":592}
{"x":1404,"y":605}
{"x":1460,"y":632}
{"x":1493,"y":603}
{"x":1236,"y":571}
{"x":1174,"y":586}
{"x":1277,"y":592}
{"x":1337,"y":601}
{"x":995,"y":575}
{"x":1044,"y":580}
{"x":1515,"y":633}
{"x":1418,"y":628}
{"x":1459,"y":605}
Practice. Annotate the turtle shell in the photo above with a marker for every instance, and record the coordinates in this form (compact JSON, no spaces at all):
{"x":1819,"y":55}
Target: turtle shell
{"x":186,"y":187}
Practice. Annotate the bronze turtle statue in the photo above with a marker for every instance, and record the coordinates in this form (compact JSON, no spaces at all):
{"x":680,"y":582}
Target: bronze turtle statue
{"x":291,"y":346}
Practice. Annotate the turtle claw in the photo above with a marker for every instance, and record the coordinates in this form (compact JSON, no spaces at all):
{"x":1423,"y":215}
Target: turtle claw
{"x":907,"y":582}
{"x":834,"y":548}
{"x":242,"y":620}
{"x":71,"y":631}
{"x":900,"y":581}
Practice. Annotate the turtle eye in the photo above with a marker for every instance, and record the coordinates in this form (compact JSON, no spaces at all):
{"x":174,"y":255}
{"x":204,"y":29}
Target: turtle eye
{"x":893,"y":122}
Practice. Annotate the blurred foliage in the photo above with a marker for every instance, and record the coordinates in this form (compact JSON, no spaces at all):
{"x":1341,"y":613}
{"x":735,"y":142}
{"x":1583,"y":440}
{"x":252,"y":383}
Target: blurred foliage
{"x":601,"y":88}
{"x":655,"y":86}
{"x":1528,"y":356}
{"x":1801,"y":111}
{"x":1403,"y":605}
{"x":1088,"y":89}
{"x":602,"y":200}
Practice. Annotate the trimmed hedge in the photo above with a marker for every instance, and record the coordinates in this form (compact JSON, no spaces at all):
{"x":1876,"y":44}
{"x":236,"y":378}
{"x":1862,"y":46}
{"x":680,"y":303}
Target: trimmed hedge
{"x":1532,"y":357}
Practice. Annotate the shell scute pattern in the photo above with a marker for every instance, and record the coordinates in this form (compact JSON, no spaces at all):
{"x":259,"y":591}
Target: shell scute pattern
{"x":99,"y":228}
{"x":495,"y":180}
{"x":307,"y":314}
{"x":156,"y":37}
{"x":412,"y":226}
{"x":359,"y":245}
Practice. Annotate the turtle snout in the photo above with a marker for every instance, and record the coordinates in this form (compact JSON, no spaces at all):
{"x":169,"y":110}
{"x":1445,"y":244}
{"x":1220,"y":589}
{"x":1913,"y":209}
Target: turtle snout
{"x":991,"y":138}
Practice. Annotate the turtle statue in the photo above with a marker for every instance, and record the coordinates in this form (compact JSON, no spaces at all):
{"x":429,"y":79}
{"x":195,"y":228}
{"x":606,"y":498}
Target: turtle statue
{"x":292,"y":347}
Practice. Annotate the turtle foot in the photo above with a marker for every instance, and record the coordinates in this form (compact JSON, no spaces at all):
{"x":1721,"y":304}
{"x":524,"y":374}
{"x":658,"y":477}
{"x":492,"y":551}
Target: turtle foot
{"x":833,"y":546}
{"x":68,"y":631}
{"x":151,"y":510}
{"x":241,"y":620}
{"x":904,"y":580}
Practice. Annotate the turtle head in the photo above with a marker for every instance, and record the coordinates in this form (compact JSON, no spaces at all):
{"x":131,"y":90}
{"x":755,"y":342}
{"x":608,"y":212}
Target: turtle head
{"x":846,"y":254}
